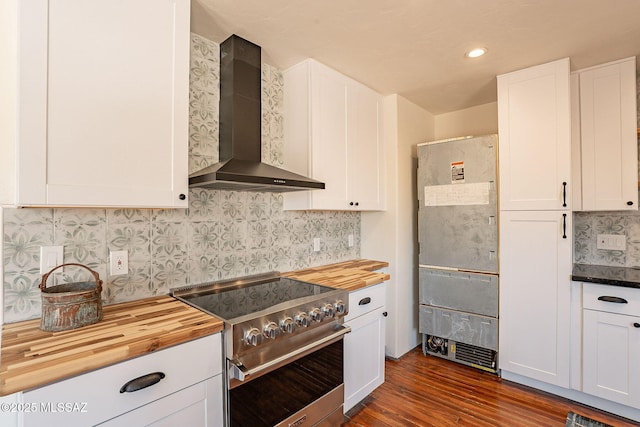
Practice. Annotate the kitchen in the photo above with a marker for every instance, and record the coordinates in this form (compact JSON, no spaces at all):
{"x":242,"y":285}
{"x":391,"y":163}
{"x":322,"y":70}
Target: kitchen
{"x":230,"y":234}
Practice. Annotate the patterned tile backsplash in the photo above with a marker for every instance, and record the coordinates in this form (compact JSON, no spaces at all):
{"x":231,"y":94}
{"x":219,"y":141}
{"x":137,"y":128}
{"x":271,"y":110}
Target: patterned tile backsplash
{"x":587,"y":225}
{"x":223,"y":234}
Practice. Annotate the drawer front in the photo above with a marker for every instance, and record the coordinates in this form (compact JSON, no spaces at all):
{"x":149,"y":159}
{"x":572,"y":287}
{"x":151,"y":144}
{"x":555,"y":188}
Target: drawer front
{"x":480,"y":331}
{"x":365,"y":300}
{"x":612,"y":299}
{"x":95,"y":397}
{"x":472,"y":292}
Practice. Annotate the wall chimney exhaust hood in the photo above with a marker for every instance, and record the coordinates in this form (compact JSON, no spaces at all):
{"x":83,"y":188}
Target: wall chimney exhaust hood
{"x":240,"y":166}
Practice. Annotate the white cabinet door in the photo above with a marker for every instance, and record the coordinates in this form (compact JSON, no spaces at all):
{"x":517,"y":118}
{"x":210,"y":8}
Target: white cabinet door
{"x":364,"y":357}
{"x":609,"y":147}
{"x":333,"y":133}
{"x":365,"y":173}
{"x":611,"y":350}
{"x":535,"y":278}
{"x":534,"y":137}
{"x":103,"y":103}
{"x":199,"y":405}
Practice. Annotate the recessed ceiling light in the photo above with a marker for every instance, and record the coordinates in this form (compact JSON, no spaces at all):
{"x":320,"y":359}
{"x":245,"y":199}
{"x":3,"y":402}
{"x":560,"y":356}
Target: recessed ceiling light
{"x":474,"y":53}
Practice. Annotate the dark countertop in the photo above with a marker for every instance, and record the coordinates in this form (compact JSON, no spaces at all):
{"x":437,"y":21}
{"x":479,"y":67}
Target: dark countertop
{"x":606,"y":275}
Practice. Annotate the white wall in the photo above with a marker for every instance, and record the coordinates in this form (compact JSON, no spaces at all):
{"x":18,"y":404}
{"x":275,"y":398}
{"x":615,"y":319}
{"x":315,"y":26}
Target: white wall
{"x":478,"y":120}
{"x":391,"y":235}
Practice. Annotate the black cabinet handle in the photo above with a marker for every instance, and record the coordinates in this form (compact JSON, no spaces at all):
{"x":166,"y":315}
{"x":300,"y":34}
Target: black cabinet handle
{"x":636,"y":325}
{"x":182,"y":197}
{"x":564,"y":226}
{"x":142,"y":382}
{"x":357,"y":204}
{"x":630,"y":203}
{"x":616,"y":300}
{"x":385,"y":314}
{"x":564,"y":194}
{"x":350,"y":203}
{"x":365,"y":301}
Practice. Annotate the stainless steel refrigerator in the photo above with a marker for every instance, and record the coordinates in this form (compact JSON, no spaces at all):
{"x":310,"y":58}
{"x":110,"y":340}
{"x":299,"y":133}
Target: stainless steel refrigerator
{"x":458,"y":256}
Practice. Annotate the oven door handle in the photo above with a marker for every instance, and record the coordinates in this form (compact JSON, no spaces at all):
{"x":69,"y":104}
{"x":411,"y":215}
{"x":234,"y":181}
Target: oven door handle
{"x":240,"y":372}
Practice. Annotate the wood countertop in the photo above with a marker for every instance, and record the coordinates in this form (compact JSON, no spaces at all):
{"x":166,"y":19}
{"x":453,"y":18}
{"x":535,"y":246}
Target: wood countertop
{"x":349,"y":275}
{"x":31,"y":358}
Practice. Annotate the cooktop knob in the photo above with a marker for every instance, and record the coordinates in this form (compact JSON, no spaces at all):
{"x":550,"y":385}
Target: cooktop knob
{"x":302,"y":319}
{"x":316,"y":315}
{"x":328,"y":310}
{"x":271,"y":330}
{"x":287,"y":325}
{"x":340,"y":307}
{"x":253,"y":337}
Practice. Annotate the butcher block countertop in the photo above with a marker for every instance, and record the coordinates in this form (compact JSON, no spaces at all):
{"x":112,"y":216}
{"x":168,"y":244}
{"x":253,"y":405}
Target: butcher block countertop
{"x":31,"y":358}
{"x":349,"y":275}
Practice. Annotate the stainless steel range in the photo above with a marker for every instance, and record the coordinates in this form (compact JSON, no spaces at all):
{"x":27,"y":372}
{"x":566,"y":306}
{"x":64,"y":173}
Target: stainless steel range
{"x":283,"y":345}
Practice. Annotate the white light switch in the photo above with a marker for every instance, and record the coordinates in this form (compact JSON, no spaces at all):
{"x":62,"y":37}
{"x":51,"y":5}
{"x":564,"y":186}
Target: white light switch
{"x":50,"y":257}
{"x":612,"y":242}
{"x":350,"y":240}
{"x":316,"y":244}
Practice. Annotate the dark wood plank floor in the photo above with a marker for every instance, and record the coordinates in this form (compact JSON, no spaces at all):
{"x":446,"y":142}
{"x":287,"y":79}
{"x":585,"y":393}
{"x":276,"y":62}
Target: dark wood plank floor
{"x":429,"y":391}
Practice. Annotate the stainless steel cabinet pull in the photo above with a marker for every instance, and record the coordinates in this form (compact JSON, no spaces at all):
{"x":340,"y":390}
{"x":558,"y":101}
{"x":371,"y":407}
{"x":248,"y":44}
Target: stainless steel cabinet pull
{"x":564,"y":226}
{"x":142,"y":382}
{"x":617,"y":300}
{"x":564,"y":194}
{"x":365,"y":301}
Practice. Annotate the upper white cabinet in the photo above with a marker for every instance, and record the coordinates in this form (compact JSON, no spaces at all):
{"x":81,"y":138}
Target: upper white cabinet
{"x":333,"y":133}
{"x":102,"y":103}
{"x":535,"y":138}
{"x":608,"y":139}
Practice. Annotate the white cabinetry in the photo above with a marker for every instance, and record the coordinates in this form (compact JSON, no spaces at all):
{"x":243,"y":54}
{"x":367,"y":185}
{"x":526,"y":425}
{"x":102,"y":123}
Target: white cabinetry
{"x":535,"y":222}
{"x":190,"y":391}
{"x":333,"y":133}
{"x":364,"y":345}
{"x":608,"y":139}
{"x":534,"y":137}
{"x":102,"y":104}
{"x":611,"y":343}
{"x":535,"y":271}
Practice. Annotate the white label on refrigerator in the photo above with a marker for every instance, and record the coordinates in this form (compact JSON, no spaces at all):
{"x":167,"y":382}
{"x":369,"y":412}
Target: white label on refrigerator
{"x":457,"y":172}
{"x":457,"y":194}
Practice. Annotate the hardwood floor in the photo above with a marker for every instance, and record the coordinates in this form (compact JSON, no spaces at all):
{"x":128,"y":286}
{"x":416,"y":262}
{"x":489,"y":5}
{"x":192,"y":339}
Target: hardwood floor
{"x":428,"y":391}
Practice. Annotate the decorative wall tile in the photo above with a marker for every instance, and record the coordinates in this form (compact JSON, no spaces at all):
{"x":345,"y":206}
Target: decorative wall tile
{"x":222,"y":235}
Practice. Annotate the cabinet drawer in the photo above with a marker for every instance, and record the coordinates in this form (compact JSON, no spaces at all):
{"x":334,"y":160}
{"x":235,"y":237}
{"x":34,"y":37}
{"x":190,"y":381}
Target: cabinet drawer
{"x":365,"y":300}
{"x":613,"y":299}
{"x":97,"y":396}
{"x":472,"y":292}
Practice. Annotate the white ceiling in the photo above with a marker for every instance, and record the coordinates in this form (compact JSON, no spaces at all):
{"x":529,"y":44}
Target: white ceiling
{"x":415,"y":48}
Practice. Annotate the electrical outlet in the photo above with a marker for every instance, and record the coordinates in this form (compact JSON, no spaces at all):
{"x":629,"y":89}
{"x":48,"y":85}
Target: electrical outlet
{"x":119,"y":262}
{"x":316,"y":244}
{"x":50,"y":257}
{"x":611,"y":242}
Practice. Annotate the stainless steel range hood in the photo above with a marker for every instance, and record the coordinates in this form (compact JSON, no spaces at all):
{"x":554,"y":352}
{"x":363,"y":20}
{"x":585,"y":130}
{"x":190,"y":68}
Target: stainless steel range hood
{"x":240,"y":166}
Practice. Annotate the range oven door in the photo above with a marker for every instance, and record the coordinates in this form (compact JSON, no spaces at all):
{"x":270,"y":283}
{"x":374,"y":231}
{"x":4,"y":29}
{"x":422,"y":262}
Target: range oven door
{"x":304,"y":389}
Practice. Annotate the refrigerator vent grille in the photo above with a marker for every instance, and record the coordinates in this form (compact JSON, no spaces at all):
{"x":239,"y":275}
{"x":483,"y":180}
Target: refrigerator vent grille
{"x":476,"y":355}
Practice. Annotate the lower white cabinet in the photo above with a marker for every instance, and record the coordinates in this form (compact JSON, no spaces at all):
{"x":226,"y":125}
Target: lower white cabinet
{"x":535,"y":295}
{"x":611,"y":343}
{"x":185,"y":389}
{"x":364,"y":345}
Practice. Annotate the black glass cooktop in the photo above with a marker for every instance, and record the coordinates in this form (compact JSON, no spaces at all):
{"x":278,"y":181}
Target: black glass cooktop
{"x":232,"y":302}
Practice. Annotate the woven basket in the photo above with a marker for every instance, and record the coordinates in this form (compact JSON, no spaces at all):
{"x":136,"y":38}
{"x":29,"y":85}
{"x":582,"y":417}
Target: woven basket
{"x":70,"y":305}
